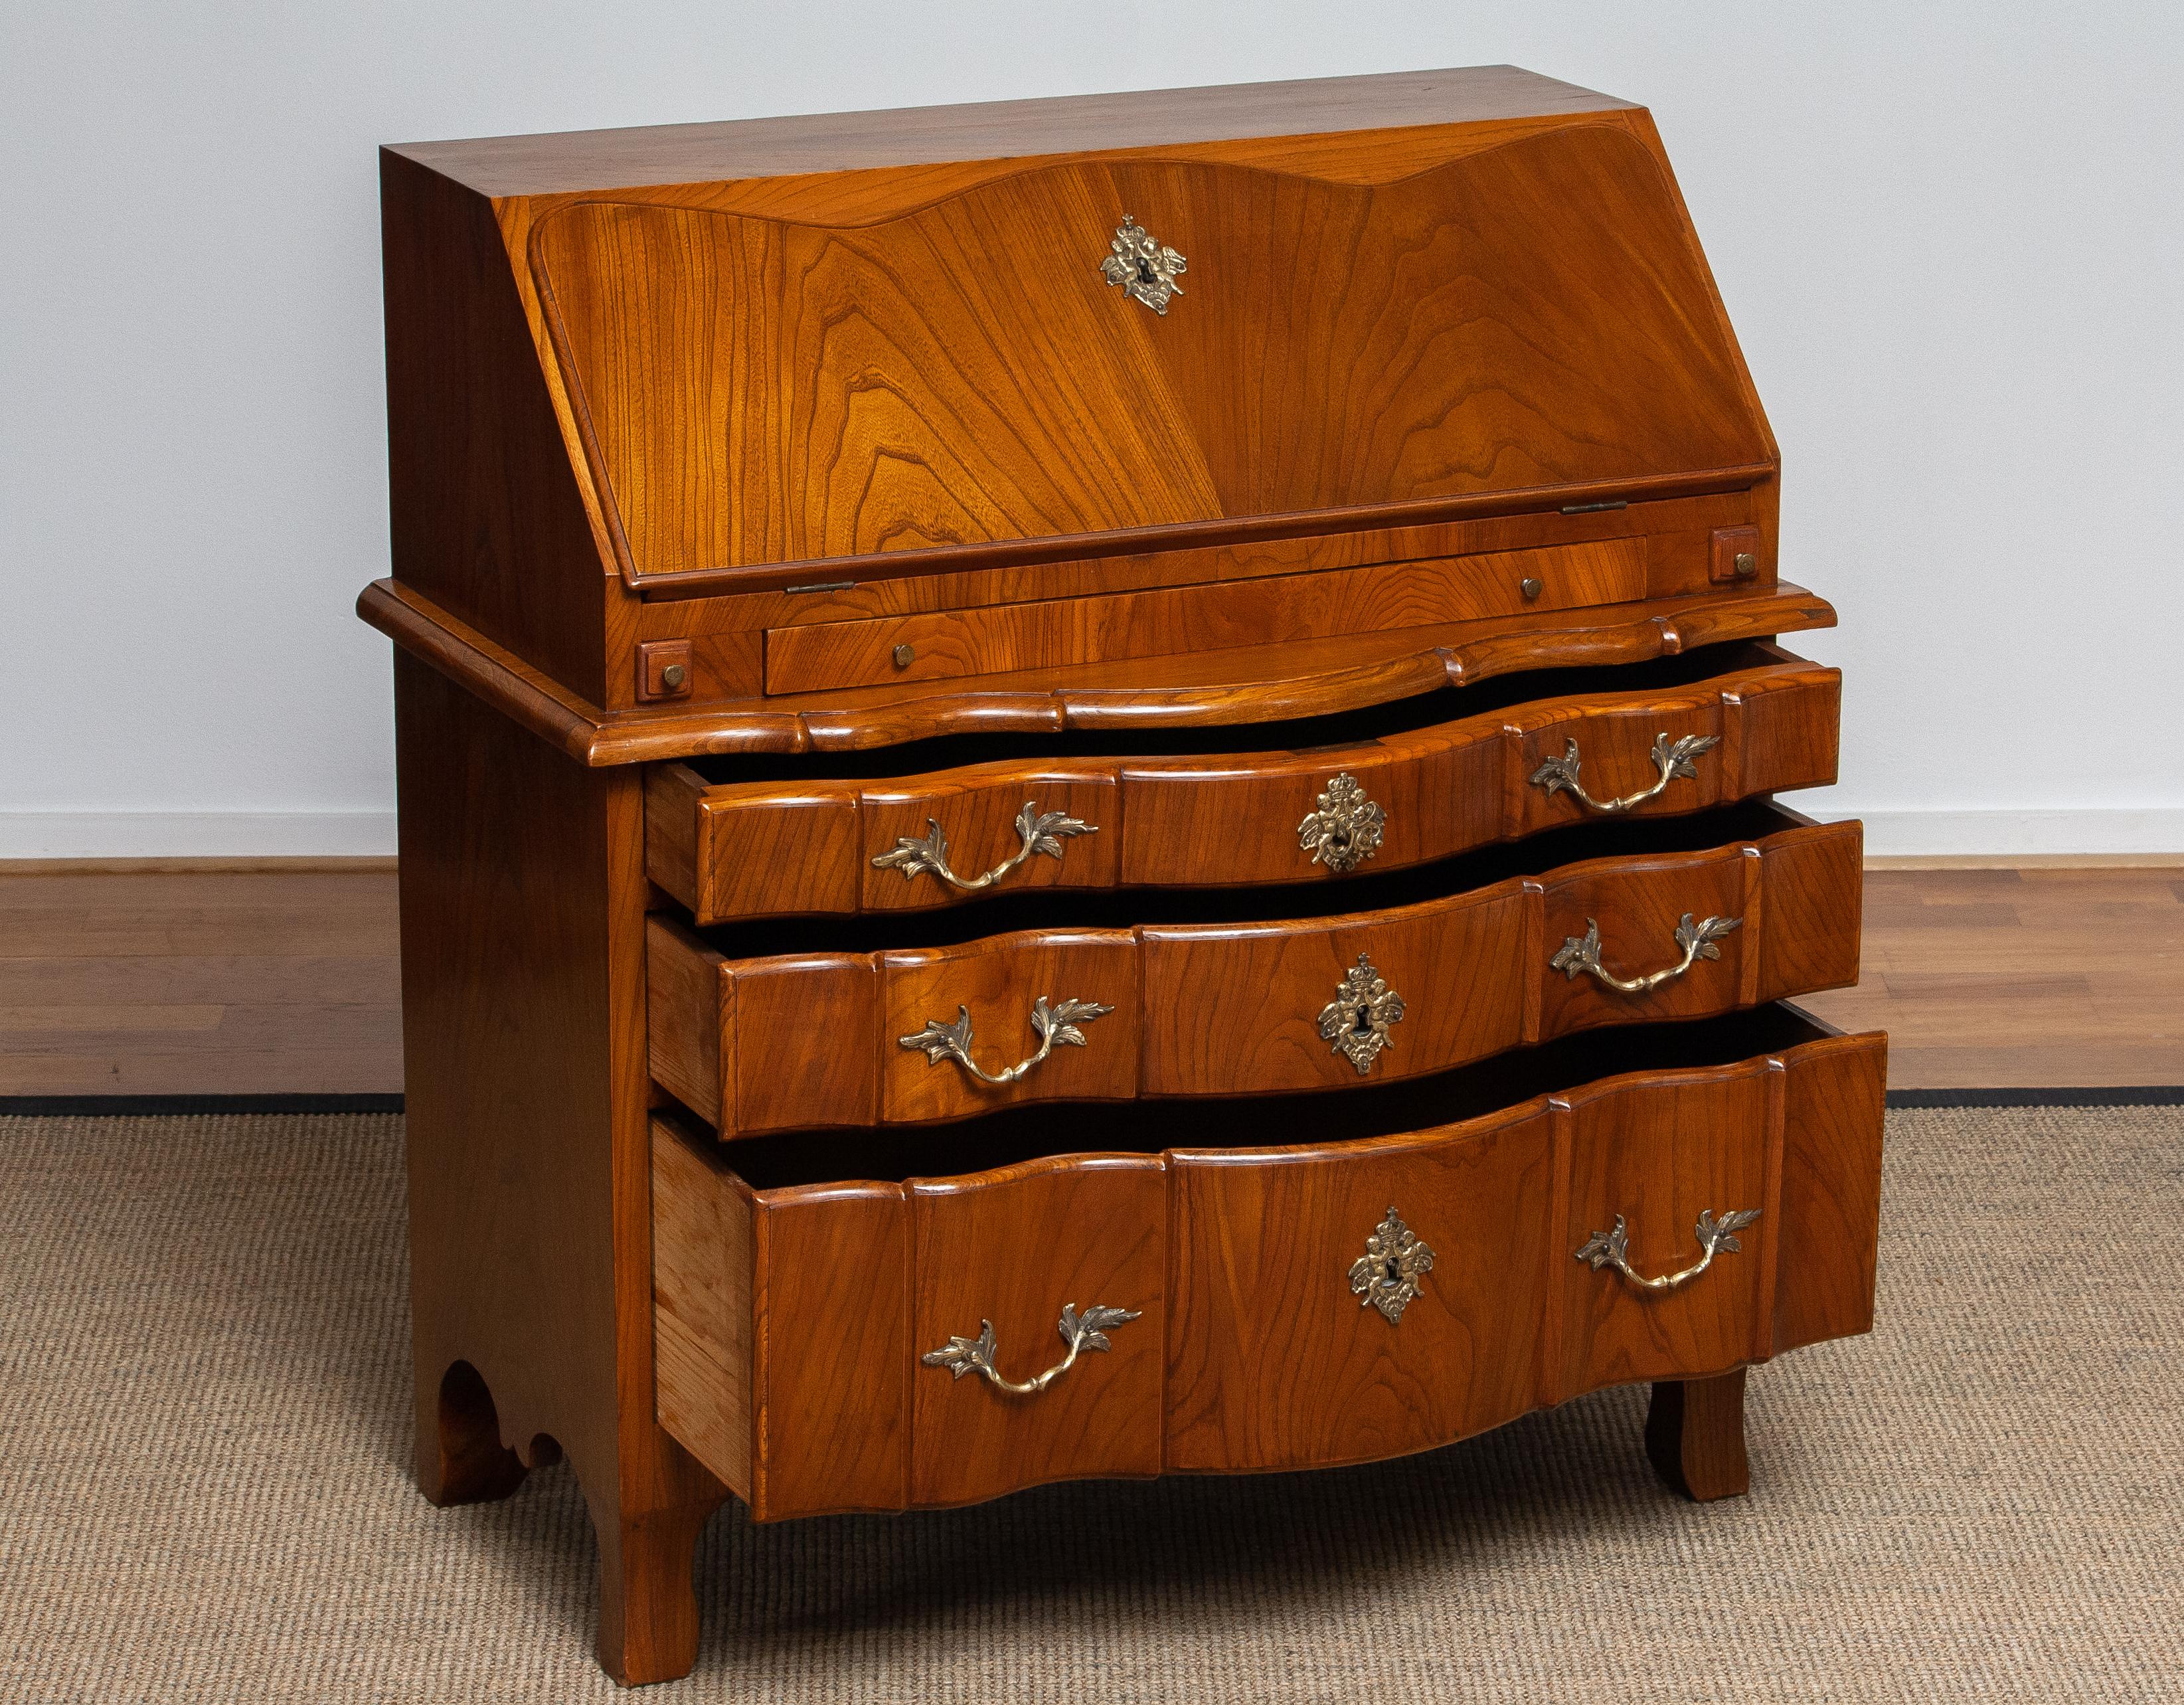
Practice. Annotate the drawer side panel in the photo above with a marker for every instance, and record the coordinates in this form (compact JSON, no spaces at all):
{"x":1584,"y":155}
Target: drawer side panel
{"x":701,"y":1301}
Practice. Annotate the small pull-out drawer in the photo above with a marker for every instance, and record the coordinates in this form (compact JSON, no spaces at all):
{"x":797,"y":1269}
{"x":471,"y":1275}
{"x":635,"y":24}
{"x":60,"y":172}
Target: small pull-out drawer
{"x":1055,"y":633}
{"x":1687,"y":735}
{"x":1680,"y":926}
{"x":882,"y":1344}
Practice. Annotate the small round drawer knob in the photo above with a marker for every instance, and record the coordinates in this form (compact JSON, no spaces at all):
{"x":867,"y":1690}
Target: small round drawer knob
{"x":1531,"y":587}
{"x":903,"y":654}
{"x":1747,"y":566}
{"x":673,"y":676}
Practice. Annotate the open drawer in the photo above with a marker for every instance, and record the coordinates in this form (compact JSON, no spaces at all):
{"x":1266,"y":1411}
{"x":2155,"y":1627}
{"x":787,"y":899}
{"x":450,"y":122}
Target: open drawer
{"x":917,"y":1019}
{"x":1397,"y":785}
{"x":836,"y":1333}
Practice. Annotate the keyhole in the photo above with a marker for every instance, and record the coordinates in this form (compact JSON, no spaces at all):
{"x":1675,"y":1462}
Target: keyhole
{"x":1145,"y":272}
{"x":1394,"y":1272}
{"x":1339,"y":840}
{"x":1363,"y":1022}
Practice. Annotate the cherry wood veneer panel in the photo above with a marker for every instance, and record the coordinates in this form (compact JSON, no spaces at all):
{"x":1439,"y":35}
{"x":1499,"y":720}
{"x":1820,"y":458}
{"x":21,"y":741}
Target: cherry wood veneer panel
{"x":996,"y":981}
{"x":776,"y":1042}
{"x":1827,"y":1226}
{"x":832,"y":1355}
{"x":1273,"y":1363}
{"x":1235,"y":1011}
{"x":977,"y":809}
{"x":1657,"y":1153}
{"x":1059,"y":632}
{"x":1251,"y":1350}
{"x":753,"y":849}
{"x":1474,"y":327}
{"x":1013,"y":1247}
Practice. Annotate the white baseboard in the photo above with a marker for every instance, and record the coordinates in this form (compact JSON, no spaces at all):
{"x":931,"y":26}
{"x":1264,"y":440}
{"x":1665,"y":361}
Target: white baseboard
{"x":196,"y":835}
{"x":371,"y":834}
{"x":2014,"y":834}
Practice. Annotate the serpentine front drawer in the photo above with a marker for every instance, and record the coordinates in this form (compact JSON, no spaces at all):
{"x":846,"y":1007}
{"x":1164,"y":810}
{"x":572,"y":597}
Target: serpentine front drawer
{"x":877,"y":1344}
{"x":1680,"y":925}
{"x":1694,"y":733}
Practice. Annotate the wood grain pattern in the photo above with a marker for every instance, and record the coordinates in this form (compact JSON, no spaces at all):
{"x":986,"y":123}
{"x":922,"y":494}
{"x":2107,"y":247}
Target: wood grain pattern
{"x":1230,"y":1009}
{"x":1657,"y":1156}
{"x":530,"y":1162}
{"x":703,"y":1253}
{"x":1239,"y":1258}
{"x":1330,"y":110}
{"x":831,"y":1351}
{"x":756,"y":848}
{"x":1058,"y":633}
{"x":1248,"y":684}
{"x":1019,"y":402}
{"x":1013,"y":1247}
{"x":1277,"y":1366}
{"x":1695,"y":1436}
{"x":996,"y":981}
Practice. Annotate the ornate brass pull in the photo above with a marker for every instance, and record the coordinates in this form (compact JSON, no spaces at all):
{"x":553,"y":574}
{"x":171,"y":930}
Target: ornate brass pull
{"x":1582,"y":953}
{"x":1345,"y":827}
{"x":1145,"y":267}
{"x":1611,"y":1248}
{"x":1055,"y":1025}
{"x":927,"y":856}
{"x":1080,"y":1332}
{"x":1559,"y":775}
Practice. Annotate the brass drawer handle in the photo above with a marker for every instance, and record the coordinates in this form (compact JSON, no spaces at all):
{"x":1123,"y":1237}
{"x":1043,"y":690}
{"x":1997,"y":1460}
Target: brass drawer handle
{"x":1080,"y":1332}
{"x":1559,"y":775}
{"x":1040,"y":832}
{"x":1582,"y":953}
{"x":1057,"y":1025}
{"x":1611,"y":1248}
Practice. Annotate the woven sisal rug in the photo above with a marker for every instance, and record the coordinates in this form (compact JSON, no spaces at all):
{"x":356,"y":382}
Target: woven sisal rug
{"x":204,"y":1492}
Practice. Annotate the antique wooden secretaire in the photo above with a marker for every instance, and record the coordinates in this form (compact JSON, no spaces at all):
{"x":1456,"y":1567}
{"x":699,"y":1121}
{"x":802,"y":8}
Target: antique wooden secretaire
{"x":1087,"y":788}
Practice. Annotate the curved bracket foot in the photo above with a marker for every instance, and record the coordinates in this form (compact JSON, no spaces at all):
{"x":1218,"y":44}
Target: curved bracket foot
{"x":1695,"y":1436}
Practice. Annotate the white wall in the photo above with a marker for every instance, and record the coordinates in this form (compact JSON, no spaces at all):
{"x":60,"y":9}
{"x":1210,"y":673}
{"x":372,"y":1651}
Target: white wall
{"x":1949,"y":235}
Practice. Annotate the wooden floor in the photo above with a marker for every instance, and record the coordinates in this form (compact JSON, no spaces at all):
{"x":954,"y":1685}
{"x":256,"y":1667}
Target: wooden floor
{"x":230,"y":983}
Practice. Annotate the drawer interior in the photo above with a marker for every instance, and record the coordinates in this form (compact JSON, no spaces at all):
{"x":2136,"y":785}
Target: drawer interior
{"x":794,"y":1159}
{"x":1368,"y":722}
{"x":1367,"y":891}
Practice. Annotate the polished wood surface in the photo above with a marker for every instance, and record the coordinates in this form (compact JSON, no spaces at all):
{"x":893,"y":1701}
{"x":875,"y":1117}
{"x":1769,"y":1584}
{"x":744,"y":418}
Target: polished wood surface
{"x":1228,"y":1009}
{"x":605,"y":385}
{"x":1239,"y":1258}
{"x":1026,"y":398}
{"x":1243,"y":684}
{"x":1695,"y":1436}
{"x":1059,"y":633}
{"x":756,"y":848}
{"x":1335,"y":107}
{"x":1275,"y":1365}
{"x":243,"y":982}
{"x":529,"y":1157}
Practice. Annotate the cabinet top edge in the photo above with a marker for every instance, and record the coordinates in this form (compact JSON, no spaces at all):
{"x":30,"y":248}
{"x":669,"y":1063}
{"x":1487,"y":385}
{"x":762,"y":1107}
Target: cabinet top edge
{"x":570,"y":161}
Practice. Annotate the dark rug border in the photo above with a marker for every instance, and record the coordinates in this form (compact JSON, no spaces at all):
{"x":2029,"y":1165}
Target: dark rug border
{"x":2136,"y":1095}
{"x":139,"y":1107}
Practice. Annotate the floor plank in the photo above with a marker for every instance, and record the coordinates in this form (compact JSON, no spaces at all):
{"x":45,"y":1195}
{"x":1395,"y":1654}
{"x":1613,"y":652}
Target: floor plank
{"x":241,"y":982}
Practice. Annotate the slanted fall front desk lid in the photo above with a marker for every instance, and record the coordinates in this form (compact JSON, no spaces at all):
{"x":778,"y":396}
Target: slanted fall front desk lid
{"x":965,"y":337}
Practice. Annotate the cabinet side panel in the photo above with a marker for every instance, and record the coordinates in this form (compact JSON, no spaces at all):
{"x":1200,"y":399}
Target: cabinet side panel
{"x":485,"y":517}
